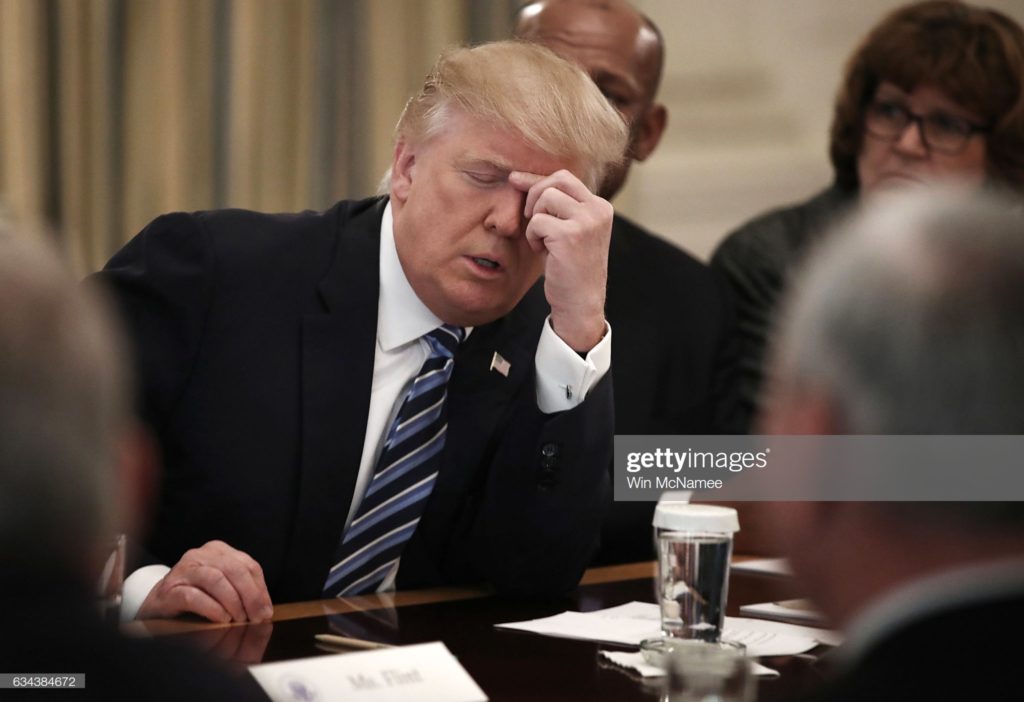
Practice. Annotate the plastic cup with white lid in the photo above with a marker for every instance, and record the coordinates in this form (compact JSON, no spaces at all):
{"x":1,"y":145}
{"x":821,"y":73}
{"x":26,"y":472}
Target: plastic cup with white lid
{"x":694,"y":546}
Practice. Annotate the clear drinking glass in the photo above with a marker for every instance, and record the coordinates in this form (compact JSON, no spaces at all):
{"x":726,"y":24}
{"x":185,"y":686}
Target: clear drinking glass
{"x":694,"y":545}
{"x":698,"y":671}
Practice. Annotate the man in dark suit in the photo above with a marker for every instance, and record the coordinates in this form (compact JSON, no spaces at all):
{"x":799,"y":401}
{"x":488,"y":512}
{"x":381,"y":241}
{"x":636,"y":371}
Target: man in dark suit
{"x":65,"y":440}
{"x":286,"y":361}
{"x":671,"y":314}
{"x":910,"y":322}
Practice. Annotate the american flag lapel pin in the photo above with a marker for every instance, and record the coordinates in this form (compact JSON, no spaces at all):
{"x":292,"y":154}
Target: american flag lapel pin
{"x":498,"y":363}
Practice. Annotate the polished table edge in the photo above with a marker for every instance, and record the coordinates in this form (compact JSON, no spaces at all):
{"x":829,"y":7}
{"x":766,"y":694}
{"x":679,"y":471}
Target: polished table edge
{"x":384,"y":600}
{"x":314,"y":608}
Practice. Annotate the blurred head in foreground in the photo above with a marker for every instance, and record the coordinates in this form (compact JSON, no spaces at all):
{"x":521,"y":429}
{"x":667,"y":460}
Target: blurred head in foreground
{"x":63,"y":418}
{"x":73,"y":471}
{"x":909,"y":320}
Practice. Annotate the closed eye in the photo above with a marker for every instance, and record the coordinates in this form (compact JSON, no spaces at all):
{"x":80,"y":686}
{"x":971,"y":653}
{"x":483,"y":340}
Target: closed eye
{"x":481,"y":178}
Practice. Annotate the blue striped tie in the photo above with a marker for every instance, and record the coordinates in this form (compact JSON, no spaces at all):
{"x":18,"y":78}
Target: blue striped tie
{"x":403,"y":478}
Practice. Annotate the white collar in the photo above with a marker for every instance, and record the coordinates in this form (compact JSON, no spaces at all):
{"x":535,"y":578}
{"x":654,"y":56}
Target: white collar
{"x":401,"y":315}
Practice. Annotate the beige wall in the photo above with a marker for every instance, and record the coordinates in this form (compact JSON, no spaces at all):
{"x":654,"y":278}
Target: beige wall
{"x":749,"y":85}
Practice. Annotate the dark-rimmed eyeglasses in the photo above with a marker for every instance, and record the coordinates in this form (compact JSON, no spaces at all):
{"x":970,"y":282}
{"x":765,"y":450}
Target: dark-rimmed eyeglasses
{"x":940,"y":131}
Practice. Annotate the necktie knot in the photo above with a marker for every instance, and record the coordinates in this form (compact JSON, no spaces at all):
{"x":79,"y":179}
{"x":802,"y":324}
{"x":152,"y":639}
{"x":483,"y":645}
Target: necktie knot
{"x":445,"y":340}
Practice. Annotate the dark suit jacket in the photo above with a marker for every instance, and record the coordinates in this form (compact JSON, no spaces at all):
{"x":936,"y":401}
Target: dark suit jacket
{"x":968,"y":652}
{"x":672,"y":325}
{"x":255,"y":339}
{"x":758,"y":260}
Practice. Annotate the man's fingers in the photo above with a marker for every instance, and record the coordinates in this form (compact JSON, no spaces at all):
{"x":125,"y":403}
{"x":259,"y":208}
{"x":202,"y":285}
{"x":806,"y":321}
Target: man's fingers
{"x":526,"y":182}
{"x":218,"y":585}
{"x":257,"y":602}
{"x":185,"y":598}
{"x":215,"y":581}
{"x":244,"y":575}
{"x":538,"y":229}
{"x":556,"y":203}
{"x":522,"y":180}
{"x":252,"y":593}
{"x":536,"y":185}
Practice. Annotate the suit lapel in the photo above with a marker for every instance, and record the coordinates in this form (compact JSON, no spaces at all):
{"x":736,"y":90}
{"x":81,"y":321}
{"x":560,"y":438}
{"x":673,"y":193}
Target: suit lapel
{"x":338,"y":344}
{"x":478,"y":396}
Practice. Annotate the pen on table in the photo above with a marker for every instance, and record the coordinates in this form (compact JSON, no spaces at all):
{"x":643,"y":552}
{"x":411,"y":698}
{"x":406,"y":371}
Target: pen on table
{"x":350,"y":643}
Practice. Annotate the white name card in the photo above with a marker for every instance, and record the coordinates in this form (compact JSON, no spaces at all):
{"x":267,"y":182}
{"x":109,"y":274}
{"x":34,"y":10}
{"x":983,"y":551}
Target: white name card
{"x":426,"y":672}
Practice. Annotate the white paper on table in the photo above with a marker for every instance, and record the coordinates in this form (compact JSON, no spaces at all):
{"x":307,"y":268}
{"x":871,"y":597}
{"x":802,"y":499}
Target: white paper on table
{"x":590,"y":626}
{"x":822,"y":636}
{"x":763,"y":566}
{"x":636,"y":663}
{"x":631,"y":623}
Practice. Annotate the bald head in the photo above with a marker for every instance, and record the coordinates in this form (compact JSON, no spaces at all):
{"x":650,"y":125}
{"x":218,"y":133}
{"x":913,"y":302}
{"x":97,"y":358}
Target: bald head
{"x":621,"y":50}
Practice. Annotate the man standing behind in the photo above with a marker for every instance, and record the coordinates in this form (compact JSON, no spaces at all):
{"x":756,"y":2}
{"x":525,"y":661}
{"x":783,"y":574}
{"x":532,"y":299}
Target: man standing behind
{"x":378,"y":393}
{"x":671,"y":315}
{"x":910,"y":322}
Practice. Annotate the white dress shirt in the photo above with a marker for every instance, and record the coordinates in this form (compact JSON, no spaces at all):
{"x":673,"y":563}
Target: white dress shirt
{"x":563,"y":381}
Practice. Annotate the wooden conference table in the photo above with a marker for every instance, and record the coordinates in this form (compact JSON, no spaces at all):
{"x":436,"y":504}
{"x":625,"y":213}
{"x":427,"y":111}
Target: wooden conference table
{"x":508,"y":665}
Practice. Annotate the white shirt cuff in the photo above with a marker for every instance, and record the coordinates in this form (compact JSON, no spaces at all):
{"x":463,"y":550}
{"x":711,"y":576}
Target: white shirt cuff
{"x":137,"y":587}
{"x":563,"y":378}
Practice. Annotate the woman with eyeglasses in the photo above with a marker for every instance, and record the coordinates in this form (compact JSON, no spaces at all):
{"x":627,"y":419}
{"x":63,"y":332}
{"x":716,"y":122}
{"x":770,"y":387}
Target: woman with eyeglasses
{"x":935,"y":92}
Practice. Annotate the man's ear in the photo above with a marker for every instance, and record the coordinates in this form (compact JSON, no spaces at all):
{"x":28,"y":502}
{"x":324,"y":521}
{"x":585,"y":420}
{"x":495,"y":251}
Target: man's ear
{"x":649,"y":130}
{"x":403,"y":166}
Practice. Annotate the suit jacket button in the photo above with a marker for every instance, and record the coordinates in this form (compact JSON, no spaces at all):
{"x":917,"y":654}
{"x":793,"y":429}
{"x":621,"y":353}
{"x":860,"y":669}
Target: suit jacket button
{"x":549,"y":449}
{"x":548,"y":461}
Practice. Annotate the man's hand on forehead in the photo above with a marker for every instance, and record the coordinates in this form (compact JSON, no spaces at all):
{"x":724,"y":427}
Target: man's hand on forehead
{"x":573,"y":225}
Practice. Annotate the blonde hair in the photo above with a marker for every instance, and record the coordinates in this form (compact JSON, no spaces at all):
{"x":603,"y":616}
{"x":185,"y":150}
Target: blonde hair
{"x":525,"y":89}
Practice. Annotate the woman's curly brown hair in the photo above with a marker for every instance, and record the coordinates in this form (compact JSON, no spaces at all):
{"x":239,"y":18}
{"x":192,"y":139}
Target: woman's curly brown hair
{"x":974,"y":55}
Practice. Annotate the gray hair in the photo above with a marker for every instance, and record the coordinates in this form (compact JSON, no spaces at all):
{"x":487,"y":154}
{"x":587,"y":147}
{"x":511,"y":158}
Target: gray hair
{"x":63,"y":401}
{"x":911,"y":318}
